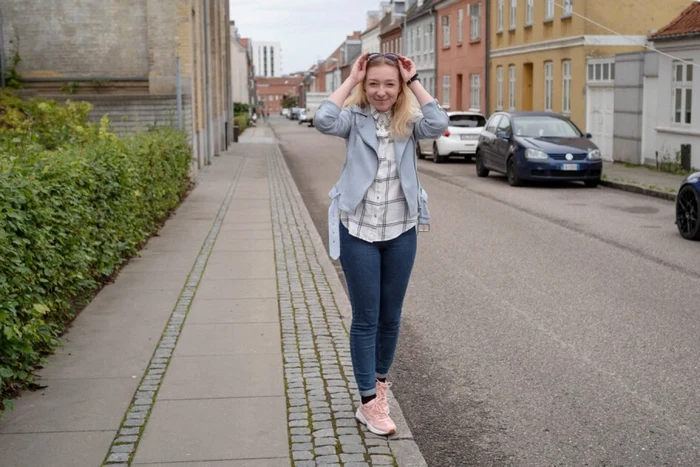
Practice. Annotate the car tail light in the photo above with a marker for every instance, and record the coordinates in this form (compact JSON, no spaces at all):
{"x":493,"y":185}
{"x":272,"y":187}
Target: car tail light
{"x":447,"y":133}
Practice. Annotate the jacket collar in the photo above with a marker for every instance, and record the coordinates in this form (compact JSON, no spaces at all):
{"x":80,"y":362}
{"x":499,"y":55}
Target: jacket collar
{"x":368,"y":132}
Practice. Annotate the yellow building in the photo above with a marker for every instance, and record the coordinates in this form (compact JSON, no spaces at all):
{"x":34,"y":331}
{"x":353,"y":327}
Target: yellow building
{"x":540,"y":49}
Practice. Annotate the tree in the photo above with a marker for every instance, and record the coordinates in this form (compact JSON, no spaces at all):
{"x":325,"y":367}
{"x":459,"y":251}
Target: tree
{"x":290,"y":101}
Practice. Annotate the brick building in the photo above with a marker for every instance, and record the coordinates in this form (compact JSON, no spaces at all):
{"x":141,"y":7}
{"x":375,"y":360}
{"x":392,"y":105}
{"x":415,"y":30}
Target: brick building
{"x":390,"y":34}
{"x":271,"y":92}
{"x":121,"y":55}
{"x":461,"y":54}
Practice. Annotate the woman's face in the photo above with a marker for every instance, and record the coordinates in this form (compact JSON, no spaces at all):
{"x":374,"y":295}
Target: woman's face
{"x":382,"y":86}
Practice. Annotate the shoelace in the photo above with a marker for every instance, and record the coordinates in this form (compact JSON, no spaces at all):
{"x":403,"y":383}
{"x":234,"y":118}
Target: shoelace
{"x":381,"y":395}
{"x":377,"y":411}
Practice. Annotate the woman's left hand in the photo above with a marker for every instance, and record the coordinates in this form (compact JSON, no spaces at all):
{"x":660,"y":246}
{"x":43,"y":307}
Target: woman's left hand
{"x":407,"y":67}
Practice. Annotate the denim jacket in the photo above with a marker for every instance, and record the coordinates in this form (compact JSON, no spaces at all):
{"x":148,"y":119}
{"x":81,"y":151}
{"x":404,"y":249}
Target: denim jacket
{"x":356,"y":125}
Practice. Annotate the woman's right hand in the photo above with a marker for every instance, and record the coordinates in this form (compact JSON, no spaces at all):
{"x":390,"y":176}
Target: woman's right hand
{"x":359,"y":69}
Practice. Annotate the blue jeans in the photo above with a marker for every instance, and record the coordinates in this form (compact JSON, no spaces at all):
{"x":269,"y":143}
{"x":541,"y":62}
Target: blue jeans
{"x":377,"y":276}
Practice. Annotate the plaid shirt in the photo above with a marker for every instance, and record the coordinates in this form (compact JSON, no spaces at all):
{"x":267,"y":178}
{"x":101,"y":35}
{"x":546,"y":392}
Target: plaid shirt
{"x":383,"y":213}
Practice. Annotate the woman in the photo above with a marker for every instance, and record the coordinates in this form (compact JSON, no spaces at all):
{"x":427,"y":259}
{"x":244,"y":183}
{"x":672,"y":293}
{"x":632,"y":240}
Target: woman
{"x":377,"y":207}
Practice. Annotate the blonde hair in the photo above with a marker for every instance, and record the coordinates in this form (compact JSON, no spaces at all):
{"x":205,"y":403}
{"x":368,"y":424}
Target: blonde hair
{"x":405,"y":109}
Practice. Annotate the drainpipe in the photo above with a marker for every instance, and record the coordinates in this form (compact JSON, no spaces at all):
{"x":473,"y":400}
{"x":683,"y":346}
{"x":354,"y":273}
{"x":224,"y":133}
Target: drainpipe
{"x":207,"y":80}
{"x":487,"y":55}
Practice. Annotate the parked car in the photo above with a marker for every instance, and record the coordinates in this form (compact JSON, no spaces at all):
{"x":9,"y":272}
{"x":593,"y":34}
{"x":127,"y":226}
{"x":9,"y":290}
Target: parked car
{"x":303,"y":116}
{"x":537,"y":146}
{"x":460,"y":139}
{"x":688,"y":207}
{"x":285,"y":112}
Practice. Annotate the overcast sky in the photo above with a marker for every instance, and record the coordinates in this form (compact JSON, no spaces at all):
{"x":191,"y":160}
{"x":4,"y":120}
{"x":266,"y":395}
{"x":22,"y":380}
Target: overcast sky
{"x":307,"y":29}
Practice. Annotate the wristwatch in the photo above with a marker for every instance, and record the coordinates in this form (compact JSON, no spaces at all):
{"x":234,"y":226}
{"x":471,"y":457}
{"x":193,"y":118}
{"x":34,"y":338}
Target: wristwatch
{"x":413,"y":78}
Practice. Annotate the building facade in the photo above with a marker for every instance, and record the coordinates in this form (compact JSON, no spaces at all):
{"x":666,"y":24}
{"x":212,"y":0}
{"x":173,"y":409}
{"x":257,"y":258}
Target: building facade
{"x":240,"y":89}
{"x":272,"y":91}
{"x":391,"y":34}
{"x":370,"y":39}
{"x":540,"y":52}
{"x":461,"y":54}
{"x":420,"y":37}
{"x":267,"y":59}
{"x":122,"y":56}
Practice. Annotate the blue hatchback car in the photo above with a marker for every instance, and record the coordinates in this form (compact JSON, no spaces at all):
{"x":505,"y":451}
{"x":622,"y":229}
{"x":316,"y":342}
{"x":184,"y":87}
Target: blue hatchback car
{"x":537,"y":146}
{"x":688,"y":207}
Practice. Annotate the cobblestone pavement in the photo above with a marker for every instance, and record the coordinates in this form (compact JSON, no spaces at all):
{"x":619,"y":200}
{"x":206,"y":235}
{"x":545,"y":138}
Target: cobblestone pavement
{"x":318,"y":371}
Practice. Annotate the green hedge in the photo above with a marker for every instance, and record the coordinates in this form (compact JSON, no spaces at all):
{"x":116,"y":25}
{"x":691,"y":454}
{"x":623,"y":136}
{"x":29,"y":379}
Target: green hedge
{"x":75,"y":202}
{"x":241,"y":120}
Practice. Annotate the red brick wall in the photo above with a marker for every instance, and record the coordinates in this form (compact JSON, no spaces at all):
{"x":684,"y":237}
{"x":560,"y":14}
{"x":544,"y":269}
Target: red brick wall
{"x":273,"y":90}
{"x":391,"y":41}
{"x":464,"y":58}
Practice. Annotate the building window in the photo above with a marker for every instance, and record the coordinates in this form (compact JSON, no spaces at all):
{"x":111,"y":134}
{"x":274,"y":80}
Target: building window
{"x":499,"y":24}
{"x":446,"y":31}
{"x":528,"y":12}
{"x":513,"y":13}
{"x":548,"y":83}
{"x":475,"y":91}
{"x":460,"y":26}
{"x":566,"y":86}
{"x":601,"y":72}
{"x":499,"y":88}
{"x":446,"y":91}
{"x":682,"y":92}
{"x":417,"y":44}
{"x":265,"y":60}
{"x":272,"y":61}
{"x":568,"y":8}
{"x":511,"y":87}
{"x":549,"y":9}
{"x":475,"y":21}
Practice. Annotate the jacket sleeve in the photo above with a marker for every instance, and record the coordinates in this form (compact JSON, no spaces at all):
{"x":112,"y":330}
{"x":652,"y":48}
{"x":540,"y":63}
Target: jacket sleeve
{"x":433,"y":123}
{"x":330,"y":119}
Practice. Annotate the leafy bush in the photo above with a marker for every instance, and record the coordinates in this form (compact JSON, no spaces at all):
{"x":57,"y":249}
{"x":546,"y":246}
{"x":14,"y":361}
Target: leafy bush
{"x":75,"y":202}
{"x":241,"y":121}
{"x":240,"y":108}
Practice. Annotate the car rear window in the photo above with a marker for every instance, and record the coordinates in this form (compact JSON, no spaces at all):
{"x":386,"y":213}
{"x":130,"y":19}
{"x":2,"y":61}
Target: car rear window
{"x":467,"y":121}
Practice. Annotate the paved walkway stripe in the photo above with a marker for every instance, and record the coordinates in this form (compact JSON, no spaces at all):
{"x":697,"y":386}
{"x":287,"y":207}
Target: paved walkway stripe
{"x":134,"y":422}
{"x":316,"y":350}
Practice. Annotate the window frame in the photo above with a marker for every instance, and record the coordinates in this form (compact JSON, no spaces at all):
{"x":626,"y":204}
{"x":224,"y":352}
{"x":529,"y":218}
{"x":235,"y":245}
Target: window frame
{"x":500,"y":16}
{"x":548,"y":85}
{"x":529,"y":12}
{"x":446,"y":90}
{"x":475,"y":91}
{"x":685,"y":86}
{"x":512,"y":80}
{"x":446,"y":32}
{"x":460,"y":26}
{"x":513,"y":15}
{"x":566,"y":87}
{"x":475,"y":21}
{"x":568,"y":9}
{"x":549,"y":10}
{"x":499,"y":87}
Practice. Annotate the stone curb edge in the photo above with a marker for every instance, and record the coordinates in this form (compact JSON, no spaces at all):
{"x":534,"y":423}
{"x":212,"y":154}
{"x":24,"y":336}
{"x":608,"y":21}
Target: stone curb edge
{"x":403,"y":446}
{"x":639,"y":190}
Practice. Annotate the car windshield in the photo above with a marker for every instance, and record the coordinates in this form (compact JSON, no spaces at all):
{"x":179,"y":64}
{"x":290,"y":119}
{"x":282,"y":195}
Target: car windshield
{"x":544,"y":127}
{"x":467,"y":121}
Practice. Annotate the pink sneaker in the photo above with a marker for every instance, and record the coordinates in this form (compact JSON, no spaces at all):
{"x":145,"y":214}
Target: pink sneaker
{"x":378,"y":422}
{"x":382,"y":400}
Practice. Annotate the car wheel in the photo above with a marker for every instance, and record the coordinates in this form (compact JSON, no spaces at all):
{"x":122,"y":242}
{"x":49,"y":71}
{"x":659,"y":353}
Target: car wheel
{"x":437,"y":158}
{"x":419,"y":153}
{"x":688,"y":213}
{"x":513,"y":177}
{"x":592,"y":183}
{"x":481,"y":170}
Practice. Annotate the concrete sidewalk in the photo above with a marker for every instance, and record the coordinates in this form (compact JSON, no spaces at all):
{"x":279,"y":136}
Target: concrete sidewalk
{"x":224,"y":344}
{"x":642,"y":180}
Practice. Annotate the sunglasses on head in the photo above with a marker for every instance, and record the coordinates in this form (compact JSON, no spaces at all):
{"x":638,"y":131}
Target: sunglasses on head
{"x":388,"y":56}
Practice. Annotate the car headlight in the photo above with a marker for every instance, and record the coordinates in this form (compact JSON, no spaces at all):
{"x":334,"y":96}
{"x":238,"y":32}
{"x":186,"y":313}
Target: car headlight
{"x":594,"y":155}
{"x":535,"y":154}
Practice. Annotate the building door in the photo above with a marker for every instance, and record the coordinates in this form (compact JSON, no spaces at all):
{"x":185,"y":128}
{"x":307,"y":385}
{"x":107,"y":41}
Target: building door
{"x":527,"y":86}
{"x":600,"y":105}
{"x":460,"y":88}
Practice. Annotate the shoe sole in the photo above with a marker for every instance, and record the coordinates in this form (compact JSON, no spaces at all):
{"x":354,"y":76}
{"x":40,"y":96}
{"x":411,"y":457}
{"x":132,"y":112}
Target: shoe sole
{"x":360,"y":418}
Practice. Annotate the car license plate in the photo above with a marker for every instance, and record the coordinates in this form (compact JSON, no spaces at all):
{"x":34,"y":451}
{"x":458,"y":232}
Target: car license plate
{"x":569,"y":167}
{"x":469,"y":137}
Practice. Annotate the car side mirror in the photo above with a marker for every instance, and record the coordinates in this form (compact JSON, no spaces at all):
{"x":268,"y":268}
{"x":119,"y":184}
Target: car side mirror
{"x":588,"y":135}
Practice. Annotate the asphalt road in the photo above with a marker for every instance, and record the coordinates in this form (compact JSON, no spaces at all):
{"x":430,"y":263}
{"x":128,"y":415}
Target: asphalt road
{"x":544,"y":326}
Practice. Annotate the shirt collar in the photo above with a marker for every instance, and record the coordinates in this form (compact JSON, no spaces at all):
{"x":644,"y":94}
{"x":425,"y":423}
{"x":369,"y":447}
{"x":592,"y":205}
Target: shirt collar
{"x":376,"y":113}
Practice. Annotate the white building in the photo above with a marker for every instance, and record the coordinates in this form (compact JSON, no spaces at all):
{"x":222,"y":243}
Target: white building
{"x":420,"y":42}
{"x":267,"y":59}
{"x":239,"y":67}
{"x":370,"y":39}
{"x":671,"y":104}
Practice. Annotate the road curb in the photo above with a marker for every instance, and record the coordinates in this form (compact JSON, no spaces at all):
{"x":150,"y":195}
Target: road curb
{"x":639,"y":190}
{"x":403,"y":446}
